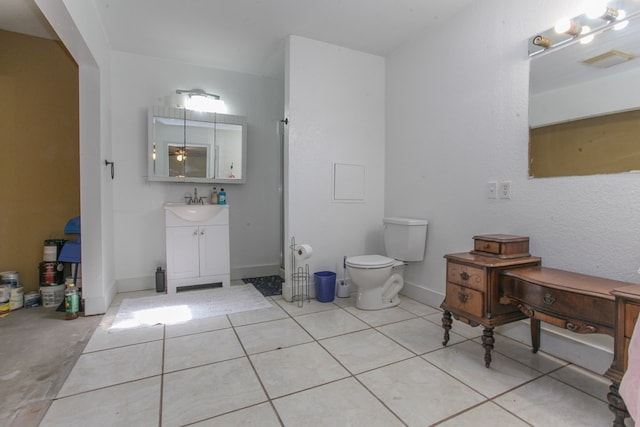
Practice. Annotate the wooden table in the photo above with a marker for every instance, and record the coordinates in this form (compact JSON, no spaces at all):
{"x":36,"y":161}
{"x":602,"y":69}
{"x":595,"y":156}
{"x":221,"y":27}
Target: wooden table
{"x":579,"y":303}
{"x":473,"y":294}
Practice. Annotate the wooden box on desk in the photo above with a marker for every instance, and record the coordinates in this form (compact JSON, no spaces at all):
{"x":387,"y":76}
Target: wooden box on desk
{"x":503,"y":246}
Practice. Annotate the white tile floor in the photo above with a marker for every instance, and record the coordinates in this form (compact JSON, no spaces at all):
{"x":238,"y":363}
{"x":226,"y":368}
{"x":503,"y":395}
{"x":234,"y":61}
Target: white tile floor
{"x":325,"y":364}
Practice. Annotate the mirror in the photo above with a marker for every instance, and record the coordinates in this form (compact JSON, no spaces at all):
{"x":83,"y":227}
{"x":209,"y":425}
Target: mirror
{"x":193,"y":146}
{"x":583,"y":117}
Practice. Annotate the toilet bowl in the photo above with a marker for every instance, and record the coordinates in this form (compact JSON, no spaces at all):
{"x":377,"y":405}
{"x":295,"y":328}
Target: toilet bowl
{"x":379,"y":279}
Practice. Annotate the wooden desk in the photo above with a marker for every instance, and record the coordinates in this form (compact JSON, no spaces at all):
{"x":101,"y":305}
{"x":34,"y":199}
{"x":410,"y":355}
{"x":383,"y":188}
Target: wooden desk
{"x":627,"y":310}
{"x":579,"y":303}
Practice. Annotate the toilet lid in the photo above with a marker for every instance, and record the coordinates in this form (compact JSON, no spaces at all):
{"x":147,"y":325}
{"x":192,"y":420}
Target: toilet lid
{"x":370,"y":261}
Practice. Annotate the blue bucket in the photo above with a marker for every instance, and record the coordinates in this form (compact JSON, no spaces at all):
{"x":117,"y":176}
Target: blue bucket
{"x":325,"y":285}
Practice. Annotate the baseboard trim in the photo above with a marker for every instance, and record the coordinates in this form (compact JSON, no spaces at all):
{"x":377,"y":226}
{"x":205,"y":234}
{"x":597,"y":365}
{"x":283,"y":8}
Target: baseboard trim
{"x":593,"y":352}
{"x":133,"y":284}
{"x":94,"y":305}
{"x":422,"y":294}
{"x":144,"y":283}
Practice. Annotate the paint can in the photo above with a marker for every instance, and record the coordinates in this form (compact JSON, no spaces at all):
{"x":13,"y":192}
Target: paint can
{"x":17,"y":299}
{"x":10,"y":278}
{"x":51,"y":273}
{"x":5,"y":294}
{"x":52,"y":296}
{"x":31,"y":299}
{"x":52,"y":248}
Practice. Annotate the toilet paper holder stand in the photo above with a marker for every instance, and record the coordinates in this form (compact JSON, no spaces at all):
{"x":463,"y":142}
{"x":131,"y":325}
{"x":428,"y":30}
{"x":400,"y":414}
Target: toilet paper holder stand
{"x":299,"y":276}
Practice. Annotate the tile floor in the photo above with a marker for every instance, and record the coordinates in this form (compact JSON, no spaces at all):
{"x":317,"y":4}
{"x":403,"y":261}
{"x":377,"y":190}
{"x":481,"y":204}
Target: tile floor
{"x":324,"y":364}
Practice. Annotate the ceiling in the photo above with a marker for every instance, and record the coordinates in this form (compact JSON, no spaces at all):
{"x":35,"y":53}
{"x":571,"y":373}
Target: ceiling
{"x":245,"y":35}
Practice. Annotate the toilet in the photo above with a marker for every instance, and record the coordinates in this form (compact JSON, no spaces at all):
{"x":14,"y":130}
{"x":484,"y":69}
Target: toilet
{"x":377,"y":278}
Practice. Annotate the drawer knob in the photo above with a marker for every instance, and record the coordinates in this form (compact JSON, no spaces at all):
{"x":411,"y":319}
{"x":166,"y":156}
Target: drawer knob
{"x":463,"y":297}
{"x":464,"y":276}
{"x":548,"y":299}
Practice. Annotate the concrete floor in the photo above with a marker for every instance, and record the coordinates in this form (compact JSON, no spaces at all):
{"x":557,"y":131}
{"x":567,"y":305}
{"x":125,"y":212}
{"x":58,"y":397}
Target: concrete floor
{"x":38,"y":348}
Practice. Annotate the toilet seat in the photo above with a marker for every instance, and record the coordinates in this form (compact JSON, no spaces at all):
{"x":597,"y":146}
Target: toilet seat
{"x":370,"y":261}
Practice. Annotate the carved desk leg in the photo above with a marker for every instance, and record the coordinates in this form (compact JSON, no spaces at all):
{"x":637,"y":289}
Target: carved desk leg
{"x":535,"y":334}
{"x":487,"y":343}
{"x":446,"y":325}
{"x":616,"y":405}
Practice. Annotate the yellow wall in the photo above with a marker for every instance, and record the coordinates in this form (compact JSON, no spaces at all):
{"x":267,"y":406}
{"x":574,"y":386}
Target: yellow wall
{"x":39,"y":158}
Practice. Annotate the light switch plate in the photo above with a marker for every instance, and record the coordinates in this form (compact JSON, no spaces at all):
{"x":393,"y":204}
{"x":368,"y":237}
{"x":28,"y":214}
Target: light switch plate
{"x":492,"y":190}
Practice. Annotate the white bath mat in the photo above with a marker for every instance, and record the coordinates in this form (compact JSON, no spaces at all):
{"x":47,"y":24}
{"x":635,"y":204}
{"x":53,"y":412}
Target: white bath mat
{"x":185,"y":306}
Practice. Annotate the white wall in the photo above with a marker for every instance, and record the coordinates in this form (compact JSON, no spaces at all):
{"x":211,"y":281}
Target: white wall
{"x":77,"y":24}
{"x":335,"y":104}
{"x":139,"y":82}
{"x":457,"y":118}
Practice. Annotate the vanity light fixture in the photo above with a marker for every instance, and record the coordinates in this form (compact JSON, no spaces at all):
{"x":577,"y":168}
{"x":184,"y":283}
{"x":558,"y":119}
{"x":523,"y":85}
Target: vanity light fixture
{"x":585,"y":27}
{"x":197,"y":92}
{"x":199,"y":100}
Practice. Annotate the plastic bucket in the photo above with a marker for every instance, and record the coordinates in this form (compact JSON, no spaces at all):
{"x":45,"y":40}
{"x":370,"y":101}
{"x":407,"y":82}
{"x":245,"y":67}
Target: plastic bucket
{"x":52,"y":296}
{"x":325,"y":285}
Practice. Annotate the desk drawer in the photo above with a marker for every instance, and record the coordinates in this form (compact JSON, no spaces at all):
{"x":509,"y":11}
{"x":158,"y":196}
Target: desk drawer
{"x":464,"y":299}
{"x":570,"y":304}
{"x":470,"y":277}
{"x":630,"y":317}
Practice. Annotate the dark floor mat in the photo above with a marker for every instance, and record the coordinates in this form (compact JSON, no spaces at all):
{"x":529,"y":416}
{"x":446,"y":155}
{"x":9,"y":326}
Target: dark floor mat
{"x":268,"y":285}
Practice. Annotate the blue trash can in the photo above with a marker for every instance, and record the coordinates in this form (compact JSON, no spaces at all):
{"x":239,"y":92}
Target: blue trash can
{"x":325,"y":285}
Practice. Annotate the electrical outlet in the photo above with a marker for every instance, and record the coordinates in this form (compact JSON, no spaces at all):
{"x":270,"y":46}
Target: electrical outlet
{"x":505,"y":190}
{"x":492,"y":190}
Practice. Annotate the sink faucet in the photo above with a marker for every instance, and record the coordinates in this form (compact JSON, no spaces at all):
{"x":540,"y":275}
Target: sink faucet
{"x":195,"y":200}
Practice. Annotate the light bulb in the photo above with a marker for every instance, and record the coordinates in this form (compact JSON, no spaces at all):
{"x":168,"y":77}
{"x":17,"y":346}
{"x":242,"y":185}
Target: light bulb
{"x":587,"y":39}
{"x":567,"y":26}
{"x":597,"y":10}
{"x":562,"y":25}
{"x":621,"y":25}
{"x":179,"y":157}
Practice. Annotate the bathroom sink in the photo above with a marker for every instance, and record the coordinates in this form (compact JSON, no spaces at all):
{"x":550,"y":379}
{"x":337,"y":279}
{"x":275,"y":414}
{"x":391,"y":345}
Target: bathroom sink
{"x":194,"y":213}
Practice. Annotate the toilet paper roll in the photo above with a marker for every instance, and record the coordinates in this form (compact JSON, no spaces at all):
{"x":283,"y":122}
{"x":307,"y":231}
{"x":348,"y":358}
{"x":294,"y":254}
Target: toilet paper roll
{"x":303,"y":252}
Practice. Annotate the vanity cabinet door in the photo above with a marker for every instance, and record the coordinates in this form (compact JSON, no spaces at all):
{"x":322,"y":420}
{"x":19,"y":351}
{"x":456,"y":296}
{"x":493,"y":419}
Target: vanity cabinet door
{"x":214,"y":249}
{"x":182,"y":252}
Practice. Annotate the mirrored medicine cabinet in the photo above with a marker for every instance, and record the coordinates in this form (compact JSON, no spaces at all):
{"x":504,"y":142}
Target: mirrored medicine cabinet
{"x":196,"y":147}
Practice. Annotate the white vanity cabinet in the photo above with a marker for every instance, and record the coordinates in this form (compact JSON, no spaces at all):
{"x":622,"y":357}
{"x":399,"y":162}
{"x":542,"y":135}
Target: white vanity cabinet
{"x":197,"y":245}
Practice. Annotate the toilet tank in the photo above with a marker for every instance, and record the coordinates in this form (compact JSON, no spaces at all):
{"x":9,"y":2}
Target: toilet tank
{"x":405,"y":238}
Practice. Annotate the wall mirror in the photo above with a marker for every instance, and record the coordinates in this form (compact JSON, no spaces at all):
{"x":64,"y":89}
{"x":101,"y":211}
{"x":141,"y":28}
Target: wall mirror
{"x":193,"y":146}
{"x":584,"y":105}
